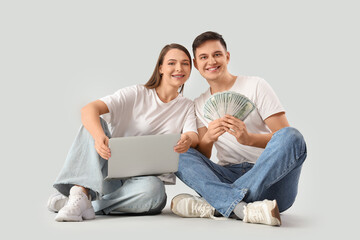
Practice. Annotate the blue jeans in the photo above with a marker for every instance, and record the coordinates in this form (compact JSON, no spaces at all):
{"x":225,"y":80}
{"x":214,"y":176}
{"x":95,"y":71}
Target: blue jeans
{"x":275,"y":175}
{"x":84,"y":166}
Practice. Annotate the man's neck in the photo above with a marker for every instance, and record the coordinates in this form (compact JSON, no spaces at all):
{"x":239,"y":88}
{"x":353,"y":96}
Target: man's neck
{"x":223,"y":84}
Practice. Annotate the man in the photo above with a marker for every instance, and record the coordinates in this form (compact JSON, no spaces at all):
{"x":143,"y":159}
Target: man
{"x":260,"y":159}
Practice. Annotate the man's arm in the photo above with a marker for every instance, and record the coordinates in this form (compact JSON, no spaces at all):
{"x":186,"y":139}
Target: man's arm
{"x":205,"y":147}
{"x":207,"y":136}
{"x":274,"y":122}
{"x":238,"y":129}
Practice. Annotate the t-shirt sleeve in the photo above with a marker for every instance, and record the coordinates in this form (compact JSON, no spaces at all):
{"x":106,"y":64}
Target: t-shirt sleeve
{"x":190,"y":120}
{"x":198,"y":114}
{"x":118,"y":103}
{"x":266,"y":100}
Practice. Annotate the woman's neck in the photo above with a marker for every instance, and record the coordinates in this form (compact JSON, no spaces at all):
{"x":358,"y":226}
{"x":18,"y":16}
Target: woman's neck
{"x":166,"y":94}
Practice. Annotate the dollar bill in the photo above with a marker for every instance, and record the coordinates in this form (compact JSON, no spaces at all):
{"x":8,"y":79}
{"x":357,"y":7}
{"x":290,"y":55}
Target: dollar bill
{"x":232,"y":103}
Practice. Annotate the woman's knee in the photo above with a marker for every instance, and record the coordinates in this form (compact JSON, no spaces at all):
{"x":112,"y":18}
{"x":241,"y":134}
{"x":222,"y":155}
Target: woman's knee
{"x":160,"y":206}
{"x":153,"y":191}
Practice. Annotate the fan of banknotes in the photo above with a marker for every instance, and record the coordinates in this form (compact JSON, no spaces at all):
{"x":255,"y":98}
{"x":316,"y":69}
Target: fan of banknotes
{"x":232,"y":103}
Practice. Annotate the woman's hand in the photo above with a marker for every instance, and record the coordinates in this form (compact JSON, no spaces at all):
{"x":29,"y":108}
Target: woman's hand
{"x":102,"y":147}
{"x":183,"y":144}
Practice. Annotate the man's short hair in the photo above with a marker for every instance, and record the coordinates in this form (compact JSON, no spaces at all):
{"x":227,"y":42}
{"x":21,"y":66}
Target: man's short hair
{"x":206,"y":36}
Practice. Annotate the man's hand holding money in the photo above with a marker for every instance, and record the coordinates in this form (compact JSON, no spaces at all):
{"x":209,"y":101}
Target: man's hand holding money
{"x":237,"y":128}
{"x":215,"y":129}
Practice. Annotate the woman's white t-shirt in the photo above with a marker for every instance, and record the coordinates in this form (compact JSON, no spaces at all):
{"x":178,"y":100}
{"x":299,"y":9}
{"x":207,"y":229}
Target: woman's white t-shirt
{"x":138,"y":111}
{"x":229,"y":151}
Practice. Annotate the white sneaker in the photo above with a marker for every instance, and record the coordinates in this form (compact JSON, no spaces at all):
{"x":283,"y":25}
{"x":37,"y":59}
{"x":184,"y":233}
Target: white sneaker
{"x":56,"y":202}
{"x":78,"y":207}
{"x":264,"y":212}
{"x":186,"y":205}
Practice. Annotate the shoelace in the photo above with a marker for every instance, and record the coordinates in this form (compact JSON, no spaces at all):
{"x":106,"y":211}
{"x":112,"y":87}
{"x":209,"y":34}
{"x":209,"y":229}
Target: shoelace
{"x":206,"y":210}
{"x":74,"y":200}
{"x":256,"y":215}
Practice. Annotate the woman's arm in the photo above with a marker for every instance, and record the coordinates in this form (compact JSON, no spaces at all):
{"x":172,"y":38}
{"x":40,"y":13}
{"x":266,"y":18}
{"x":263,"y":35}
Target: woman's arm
{"x":90,"y":117}
{"x":187,"y":140}
{"x":194,"y":138}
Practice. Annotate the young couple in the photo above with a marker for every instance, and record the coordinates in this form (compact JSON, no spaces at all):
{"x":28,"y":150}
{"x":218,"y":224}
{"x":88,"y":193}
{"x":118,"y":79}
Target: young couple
{"x":260,"y":159}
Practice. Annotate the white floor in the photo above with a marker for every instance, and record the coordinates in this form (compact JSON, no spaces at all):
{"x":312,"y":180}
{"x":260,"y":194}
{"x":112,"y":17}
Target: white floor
{"x":319,"y":212}
{"x":56,"y":56}
{"x":167,"y":225}
{"x":300,"y":221}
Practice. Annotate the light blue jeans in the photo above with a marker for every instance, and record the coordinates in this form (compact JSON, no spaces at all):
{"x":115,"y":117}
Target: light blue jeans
{"x":84,"y":166}
{"x":275,"y":175}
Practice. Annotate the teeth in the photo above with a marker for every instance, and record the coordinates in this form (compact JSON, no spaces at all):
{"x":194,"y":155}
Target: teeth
{"x":212,"y":69}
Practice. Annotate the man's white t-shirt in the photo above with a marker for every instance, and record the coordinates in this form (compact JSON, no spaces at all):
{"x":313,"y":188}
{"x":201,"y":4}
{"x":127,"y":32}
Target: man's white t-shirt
{"x":229,"y":151}
{"x":137,"y":111}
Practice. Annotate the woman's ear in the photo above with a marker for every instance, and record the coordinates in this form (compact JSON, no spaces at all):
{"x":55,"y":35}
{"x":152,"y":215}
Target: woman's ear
{"x":160,"y":69}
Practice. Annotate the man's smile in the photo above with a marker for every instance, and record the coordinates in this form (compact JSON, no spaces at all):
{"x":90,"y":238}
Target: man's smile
{"x":212,"y":69}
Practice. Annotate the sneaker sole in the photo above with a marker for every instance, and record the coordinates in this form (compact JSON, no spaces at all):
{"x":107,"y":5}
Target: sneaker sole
{"x":68,"y":218}
{"x":88,"y":214}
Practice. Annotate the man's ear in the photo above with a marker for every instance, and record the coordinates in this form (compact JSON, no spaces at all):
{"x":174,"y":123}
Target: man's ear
{"x":227,"y":57}
{"x":195,"y":64}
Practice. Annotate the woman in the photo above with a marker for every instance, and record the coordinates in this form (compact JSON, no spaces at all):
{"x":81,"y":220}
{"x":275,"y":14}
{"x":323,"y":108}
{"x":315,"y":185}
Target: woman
{"x":157,"y":107}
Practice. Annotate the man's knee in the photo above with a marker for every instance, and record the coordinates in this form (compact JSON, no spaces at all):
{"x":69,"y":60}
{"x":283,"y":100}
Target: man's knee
{"x":192,"y":155}
{"x":293,"y":134}
{"x":293,"y":139}
{"x":186,"y":162}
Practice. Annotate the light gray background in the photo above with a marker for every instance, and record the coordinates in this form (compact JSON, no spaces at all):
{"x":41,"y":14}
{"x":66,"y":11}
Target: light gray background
{"x":56,"y":56}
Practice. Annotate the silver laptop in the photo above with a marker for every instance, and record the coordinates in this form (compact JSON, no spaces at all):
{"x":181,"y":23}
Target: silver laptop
{"x":142,"y":155}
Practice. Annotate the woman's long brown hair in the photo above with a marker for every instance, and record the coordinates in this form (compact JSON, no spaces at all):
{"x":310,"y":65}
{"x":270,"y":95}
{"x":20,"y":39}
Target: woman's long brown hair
{"x":155,"y":78}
